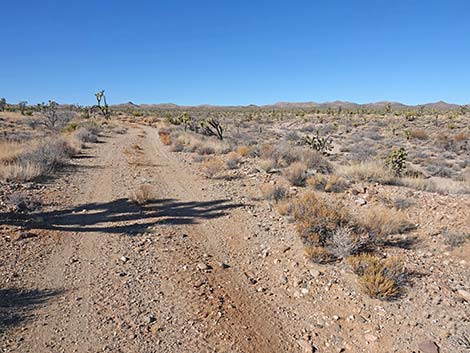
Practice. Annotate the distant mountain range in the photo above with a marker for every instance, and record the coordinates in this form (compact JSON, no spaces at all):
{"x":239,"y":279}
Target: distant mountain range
{"x":441,"y":105}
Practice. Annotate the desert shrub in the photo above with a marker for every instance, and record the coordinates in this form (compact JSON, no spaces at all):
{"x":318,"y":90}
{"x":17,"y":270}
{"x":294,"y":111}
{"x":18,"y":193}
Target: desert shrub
{"x":212,"y":167}
{"x":205,"y":149}
{"x":283,"y":154}
{"x":22,"y":202}
{"x":382,"y":221}
{"x":327,"y":229}
{"x":454,"y":239}
{"x":71,"y":126}
{"x":86,"y":135}
{"x":315,"y":160}
{"x":48,"y":156}
{"x":272,"y":192}
{"x":371,"y":171}
{"x":233,"y":160}
{"x":379,"y":278}
{"x":142,"y":195}
{"x":38,"y":161}
{"x":402,"y":204}
{"x":296,"y":173}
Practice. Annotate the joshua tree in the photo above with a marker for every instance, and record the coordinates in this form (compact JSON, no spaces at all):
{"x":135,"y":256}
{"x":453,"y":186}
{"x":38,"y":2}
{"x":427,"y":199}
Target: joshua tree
{"x":22,"y":106}
{"x":104,"y":109}
{"x":49,"y":110}
{"x":212,"y":127}
{"x":3,"y":104}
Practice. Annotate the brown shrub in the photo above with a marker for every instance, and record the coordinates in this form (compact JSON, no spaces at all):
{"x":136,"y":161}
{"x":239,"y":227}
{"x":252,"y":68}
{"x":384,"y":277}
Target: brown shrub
{"x":419,"y":134}
{"x":273,"y":192}
{"x":284,"y":208}
{"x":233,"y":160}
{"x":165,"y":137}
{"x":211,"y":167}
{"x":243,"y":150}
{"x":267,"y":164}
{"x":331,"y":183}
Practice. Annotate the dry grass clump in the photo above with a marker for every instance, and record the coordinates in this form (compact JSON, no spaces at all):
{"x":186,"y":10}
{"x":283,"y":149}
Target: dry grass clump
{"x":165,"y":137}
{"x":233,"y":160}
{"x":383,"y":221}
{"x":44,"y":159}
{"x":212,"y":167}
{"x":9,"y":150}
{"x":372,"y":171}
{"x":296,"y":174}
{"x":142,"y":195}
{"x":20,"y":172}
{"x":327,"y":229}
{"x":327,"y":183}
{"x":272,"y":192}
{"x":379,"y":278}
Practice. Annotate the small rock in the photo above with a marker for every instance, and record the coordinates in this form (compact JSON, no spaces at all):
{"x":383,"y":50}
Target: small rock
{"x":149,"y":319}
{"x":124,"y":259}
{"x":428,"y":346}
{"x":360,"y":201}
{"x":314,"y":273}
{"x":370,"y":337}
{"x":223,"y":265}
{"x":203,"y":267}
{"x":465,"y":295}
{"x":306,"y":346}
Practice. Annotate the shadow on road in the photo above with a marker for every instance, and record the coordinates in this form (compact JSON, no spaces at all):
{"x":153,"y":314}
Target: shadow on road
{"x":16,"y":304}
{"x":121,"y":215}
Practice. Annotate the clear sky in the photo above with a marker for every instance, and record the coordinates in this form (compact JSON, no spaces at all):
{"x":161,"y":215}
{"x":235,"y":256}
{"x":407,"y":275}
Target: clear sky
{"x":235,"y":52}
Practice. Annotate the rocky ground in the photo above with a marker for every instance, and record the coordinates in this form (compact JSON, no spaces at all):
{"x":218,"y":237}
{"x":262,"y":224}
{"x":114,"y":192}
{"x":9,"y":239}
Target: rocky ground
{"x":205,"y":266}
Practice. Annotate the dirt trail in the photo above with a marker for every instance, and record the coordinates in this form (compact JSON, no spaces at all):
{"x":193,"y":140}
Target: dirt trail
{"x":172,"y":275}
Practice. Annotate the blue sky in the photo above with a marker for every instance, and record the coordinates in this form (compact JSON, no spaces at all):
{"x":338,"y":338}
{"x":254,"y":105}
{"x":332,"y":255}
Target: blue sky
{"x":235,"y":52}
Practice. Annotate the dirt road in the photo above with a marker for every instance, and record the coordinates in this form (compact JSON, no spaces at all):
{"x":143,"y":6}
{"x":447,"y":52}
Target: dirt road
{"x":172,"y":275}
